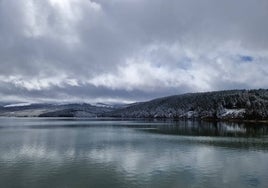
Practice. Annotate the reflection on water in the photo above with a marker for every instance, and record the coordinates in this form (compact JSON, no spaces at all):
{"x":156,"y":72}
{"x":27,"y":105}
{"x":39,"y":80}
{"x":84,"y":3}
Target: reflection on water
{"x":195,"y":128}
{"x":190,"y":128}
{"x":112,"y":153}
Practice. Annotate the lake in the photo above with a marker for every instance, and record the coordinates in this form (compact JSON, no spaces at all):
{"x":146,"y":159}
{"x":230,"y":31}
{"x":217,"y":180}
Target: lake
{"x":62,"y":153}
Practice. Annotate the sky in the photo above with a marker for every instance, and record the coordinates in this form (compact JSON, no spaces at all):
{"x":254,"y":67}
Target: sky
{"x":130,"y":50}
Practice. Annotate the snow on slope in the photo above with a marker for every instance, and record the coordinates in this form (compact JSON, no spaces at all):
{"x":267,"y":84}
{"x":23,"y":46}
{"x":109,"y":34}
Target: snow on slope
{"x":17,"y":105}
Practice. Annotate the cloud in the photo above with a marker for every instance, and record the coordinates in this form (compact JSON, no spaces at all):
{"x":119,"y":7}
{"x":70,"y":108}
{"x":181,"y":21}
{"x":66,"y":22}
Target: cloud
{"x":130,"y":50}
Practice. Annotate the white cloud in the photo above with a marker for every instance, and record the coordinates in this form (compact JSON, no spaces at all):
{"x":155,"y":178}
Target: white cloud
{"x":40,"y":83}
{"x":139,"y":74}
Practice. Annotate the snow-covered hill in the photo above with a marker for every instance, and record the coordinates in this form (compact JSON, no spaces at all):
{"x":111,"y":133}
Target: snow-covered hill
{"x":232,"y":104}
{"x":53,"y":110}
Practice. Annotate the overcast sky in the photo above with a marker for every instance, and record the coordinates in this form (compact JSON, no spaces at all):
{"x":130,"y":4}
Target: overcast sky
{"x":130,"y":50}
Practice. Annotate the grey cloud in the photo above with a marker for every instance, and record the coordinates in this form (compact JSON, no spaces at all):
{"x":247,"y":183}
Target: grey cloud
{"x":130,"y":50}
{"x":83,"y":93}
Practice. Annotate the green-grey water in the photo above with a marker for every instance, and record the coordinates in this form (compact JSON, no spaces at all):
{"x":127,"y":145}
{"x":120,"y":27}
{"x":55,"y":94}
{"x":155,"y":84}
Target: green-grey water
{"x":62,"y":153}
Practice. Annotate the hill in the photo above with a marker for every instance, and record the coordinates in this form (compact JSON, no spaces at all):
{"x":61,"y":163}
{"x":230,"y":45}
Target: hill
{"x":53,"y":110}
{"x":231,"y":104}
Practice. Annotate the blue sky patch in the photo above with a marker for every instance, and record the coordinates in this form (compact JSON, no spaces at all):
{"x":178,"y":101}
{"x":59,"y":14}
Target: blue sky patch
{"x":246,"y":58}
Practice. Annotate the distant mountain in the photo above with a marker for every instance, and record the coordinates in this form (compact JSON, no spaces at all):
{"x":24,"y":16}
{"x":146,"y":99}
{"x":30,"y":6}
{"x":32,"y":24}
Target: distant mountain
{"x":77,"y":110}
{"x":231,"y":104}
{"x":53,"y":110}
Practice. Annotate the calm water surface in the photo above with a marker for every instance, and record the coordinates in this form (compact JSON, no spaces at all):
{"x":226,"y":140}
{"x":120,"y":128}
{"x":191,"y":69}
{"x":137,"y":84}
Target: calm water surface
{"x":131,"y":153}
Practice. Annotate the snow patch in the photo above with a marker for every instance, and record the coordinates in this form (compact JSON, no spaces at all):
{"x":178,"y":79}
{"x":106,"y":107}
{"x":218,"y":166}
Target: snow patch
{"x":17,"y":105}
{"x":233,"y":113}
{"x":102,"y":105}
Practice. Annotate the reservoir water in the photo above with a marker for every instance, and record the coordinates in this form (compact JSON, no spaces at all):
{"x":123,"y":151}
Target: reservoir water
{"x":63,"y":153}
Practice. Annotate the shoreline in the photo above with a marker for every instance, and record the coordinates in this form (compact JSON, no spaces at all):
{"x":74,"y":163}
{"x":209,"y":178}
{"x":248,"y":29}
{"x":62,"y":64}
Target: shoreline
{"x":249,"y":121}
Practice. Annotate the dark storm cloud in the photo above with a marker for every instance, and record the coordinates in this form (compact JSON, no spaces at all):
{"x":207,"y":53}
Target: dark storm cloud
{"x":130,"y":50}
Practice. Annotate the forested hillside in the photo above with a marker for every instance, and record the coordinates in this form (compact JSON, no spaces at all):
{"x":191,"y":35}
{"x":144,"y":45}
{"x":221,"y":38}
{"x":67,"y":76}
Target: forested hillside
{"x":232,"y":104}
